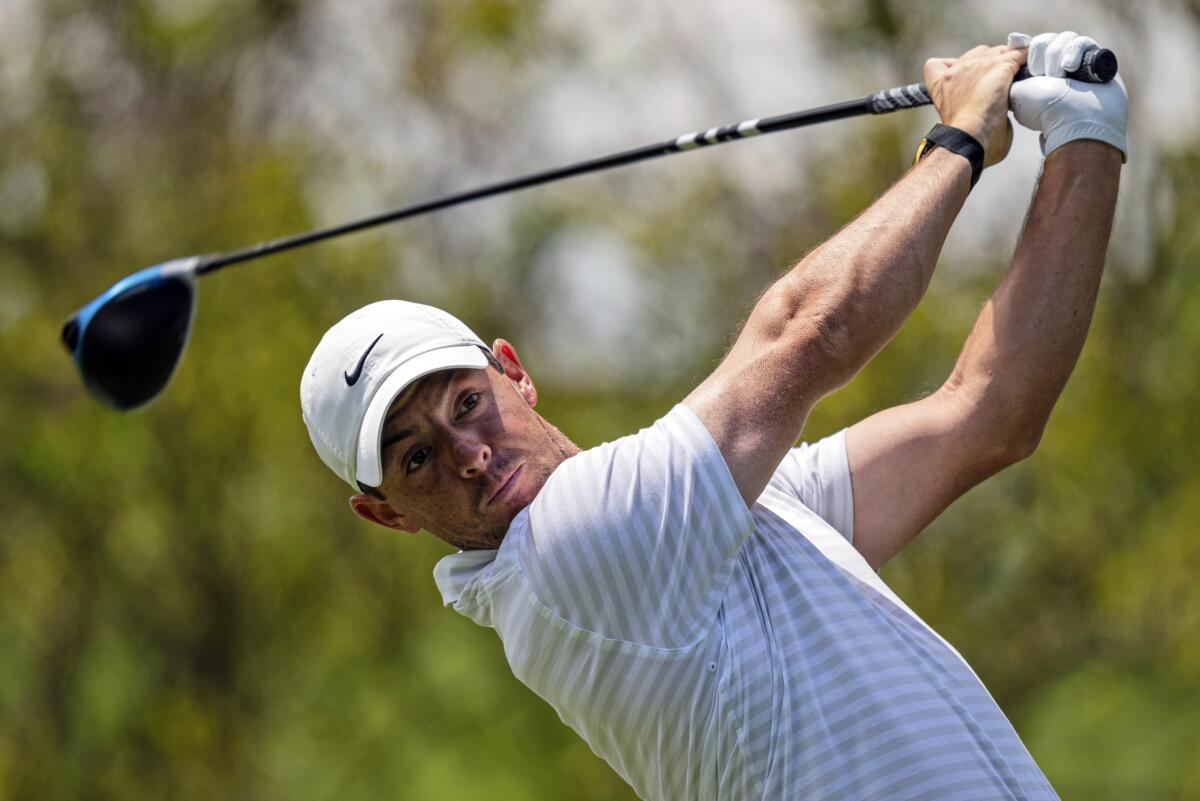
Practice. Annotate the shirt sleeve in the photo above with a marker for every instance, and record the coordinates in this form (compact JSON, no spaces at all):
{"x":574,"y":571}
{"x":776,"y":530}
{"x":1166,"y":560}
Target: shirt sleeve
{"x":635,"y":539}
{"x":818,"y":475}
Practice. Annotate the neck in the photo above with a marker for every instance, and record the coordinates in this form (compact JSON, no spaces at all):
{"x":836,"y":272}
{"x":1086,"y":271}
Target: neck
{"x":565,"y":447}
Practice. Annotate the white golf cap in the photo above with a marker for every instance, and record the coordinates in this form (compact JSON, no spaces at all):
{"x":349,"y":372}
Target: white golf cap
{"x":362,"y":364}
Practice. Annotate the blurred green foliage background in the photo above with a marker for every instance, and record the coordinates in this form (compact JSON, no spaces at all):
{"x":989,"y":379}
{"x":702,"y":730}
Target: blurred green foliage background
{"x":188,"y":610}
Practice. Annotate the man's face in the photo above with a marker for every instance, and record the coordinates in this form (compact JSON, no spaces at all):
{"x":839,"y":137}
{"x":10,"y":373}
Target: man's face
{"x":463,"y":452}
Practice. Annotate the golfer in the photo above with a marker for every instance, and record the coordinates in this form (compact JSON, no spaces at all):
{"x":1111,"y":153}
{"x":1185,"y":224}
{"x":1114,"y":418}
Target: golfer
{"x":699,"y":600}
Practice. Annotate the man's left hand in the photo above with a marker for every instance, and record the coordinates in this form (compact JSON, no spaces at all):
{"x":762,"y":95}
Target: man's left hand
{"x":1063,"y":109}
{"x":971,"y":93}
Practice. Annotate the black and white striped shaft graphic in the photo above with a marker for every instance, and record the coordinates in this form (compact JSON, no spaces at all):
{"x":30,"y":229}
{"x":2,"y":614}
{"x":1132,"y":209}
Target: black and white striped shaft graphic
{"x":899,"y":97}
{"x":1099,"y":66}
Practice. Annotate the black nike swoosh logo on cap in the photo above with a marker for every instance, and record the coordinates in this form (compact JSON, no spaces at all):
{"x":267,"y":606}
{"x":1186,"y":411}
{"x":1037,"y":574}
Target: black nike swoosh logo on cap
{"x":352,"y":378}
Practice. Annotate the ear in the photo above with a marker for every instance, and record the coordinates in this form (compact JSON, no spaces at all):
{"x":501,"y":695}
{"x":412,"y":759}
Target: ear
{"x":507,"y":356}
{"x":381,"y":513}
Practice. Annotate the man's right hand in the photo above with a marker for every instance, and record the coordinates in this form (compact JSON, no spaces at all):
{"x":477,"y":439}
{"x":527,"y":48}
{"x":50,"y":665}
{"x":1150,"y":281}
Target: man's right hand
{"x":971,"y":93}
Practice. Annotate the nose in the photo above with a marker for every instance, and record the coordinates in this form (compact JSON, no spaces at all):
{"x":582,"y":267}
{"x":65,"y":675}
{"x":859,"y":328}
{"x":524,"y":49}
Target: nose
{"x":471,"y":457}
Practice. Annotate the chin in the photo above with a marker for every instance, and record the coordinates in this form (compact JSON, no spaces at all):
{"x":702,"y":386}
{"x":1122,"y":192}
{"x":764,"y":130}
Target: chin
{"x":502,"y":511}
{"x":480,"y":538}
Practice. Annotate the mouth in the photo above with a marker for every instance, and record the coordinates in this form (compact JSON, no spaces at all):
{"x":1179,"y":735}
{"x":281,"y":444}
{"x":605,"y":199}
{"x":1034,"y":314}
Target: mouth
{"x":505,"y":484}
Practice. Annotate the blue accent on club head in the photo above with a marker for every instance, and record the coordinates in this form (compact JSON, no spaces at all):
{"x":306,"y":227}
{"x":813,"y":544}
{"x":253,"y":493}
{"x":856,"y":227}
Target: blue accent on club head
{"x":75,"y":331}
{"x":84,"y":316}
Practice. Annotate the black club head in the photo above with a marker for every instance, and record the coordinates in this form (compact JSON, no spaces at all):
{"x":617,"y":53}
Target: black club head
{"x":127,"y":342}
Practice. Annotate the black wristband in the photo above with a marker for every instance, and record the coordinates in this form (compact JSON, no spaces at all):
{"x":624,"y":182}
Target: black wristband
{"x":956,"y":141}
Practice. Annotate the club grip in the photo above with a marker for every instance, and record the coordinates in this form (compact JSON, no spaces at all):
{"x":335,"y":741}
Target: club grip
{"x":1099,"y":65}
{"x":898,"y":97}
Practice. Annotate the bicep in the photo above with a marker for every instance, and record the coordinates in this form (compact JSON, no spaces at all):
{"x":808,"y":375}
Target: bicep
{"x":751,"y":425}
{"x":909,"y":463}
{"x":755,"y":403}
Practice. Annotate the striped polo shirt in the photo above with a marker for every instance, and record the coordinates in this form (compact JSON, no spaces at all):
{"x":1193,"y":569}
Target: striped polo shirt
{"x":707,"y":650}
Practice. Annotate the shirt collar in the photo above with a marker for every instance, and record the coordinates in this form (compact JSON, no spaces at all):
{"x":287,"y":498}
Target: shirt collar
{"x":455,"y":572}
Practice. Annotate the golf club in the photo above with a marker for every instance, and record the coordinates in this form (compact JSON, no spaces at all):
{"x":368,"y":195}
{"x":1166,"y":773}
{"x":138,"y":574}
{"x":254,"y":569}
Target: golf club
{"x":127,"y":342}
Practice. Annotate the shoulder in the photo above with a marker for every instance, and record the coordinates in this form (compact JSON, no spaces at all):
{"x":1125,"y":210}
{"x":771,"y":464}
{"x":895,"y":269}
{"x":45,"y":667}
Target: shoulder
{"x":635,"y":475}
{"x":633,"y":538}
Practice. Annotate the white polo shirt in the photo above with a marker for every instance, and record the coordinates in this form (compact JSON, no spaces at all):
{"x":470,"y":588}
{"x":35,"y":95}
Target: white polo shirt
{"x":708,"y":650}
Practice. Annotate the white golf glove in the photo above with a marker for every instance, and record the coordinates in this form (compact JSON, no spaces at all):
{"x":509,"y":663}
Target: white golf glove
{"x":1061,"y":108}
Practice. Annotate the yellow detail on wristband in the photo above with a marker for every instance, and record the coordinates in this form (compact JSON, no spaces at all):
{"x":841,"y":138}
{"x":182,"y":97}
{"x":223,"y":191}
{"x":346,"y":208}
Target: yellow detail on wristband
{"x":923,"y":149}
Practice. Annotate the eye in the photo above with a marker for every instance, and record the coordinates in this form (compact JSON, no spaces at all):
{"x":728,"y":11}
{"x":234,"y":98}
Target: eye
{"x":469,"y":403}
{"x":416,"y":459}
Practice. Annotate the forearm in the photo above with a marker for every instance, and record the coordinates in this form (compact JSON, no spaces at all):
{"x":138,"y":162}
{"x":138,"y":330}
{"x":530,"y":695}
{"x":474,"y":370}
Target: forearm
{"x":1030,"y":333}
{"x":849,"y":296}
{"x":825,"y":318}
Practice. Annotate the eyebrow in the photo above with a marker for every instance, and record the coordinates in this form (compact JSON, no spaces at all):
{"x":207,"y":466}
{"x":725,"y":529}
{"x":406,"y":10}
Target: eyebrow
{"x":396,"y":438}
{"x":404,"y":433}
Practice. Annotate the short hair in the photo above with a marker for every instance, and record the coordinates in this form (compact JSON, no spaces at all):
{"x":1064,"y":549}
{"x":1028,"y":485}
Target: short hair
{"x":374,"y":492}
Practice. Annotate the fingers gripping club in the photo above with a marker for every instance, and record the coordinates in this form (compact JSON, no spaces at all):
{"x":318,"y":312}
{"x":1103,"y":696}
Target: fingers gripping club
{"x":1096,"y":65}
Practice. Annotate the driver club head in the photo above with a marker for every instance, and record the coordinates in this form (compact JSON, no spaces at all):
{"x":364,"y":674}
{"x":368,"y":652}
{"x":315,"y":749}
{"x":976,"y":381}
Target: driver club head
{"x":127,"y":342}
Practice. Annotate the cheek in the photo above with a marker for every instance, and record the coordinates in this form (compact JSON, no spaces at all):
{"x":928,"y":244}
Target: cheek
{"x":431,"y":499}
{"x":517,"y":422}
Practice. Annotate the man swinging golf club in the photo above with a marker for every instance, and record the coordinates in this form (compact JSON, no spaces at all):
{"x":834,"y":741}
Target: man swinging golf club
{"x":699,"y":600}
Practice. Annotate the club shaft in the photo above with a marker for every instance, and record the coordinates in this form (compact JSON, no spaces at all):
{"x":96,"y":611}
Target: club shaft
{"x":1098,"y":66}
{"x":690,"y":141}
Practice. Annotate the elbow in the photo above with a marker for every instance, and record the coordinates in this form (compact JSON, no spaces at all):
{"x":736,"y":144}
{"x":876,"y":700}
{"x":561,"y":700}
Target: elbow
{"x":1008,"y":430}
{"x":1024,"y":437}
{"x":1020,"y":420}
{"x":814,"y":328}
{"x":826,"y":344}
{"x":997,"y":447}
{"x":835,"y":342}
{"x":1021,"y":443}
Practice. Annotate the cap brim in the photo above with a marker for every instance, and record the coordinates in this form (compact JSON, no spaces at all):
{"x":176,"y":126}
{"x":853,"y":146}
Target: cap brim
{"x":369,"y":465}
